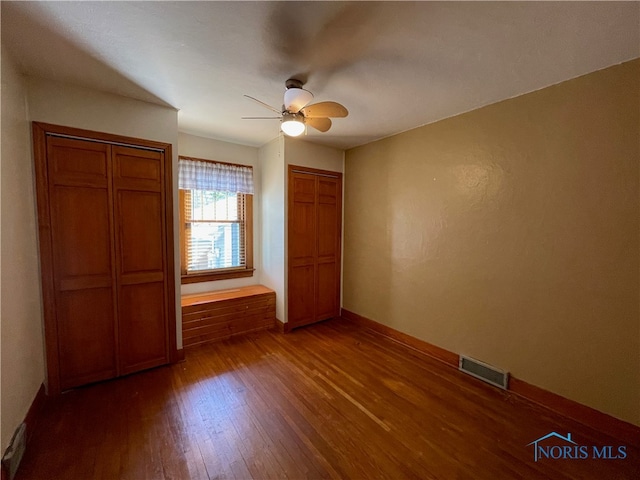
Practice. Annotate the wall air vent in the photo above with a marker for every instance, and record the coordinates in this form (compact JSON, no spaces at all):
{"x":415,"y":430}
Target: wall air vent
{"x":481,"y":370}
{"x":13,"y":454}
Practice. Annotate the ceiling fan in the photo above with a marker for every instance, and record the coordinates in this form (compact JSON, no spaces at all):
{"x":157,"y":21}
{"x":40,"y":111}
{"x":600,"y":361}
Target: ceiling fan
{"x":296,"y":112}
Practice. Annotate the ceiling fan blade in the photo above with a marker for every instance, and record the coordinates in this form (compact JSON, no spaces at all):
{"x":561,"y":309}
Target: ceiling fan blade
{"x":296,"y":98}
{"x":324,"y":109}
{"x":319,"y":123}
{"x":273,"y":109}
{"x":261,"y":118}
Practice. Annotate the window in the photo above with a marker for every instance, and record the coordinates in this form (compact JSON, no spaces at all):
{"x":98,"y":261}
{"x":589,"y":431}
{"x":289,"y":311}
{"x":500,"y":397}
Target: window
{"x":215,"y":220}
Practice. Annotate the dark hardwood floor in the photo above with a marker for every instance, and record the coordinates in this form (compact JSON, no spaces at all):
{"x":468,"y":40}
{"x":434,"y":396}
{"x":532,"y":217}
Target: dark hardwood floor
{"x":328,"y":401}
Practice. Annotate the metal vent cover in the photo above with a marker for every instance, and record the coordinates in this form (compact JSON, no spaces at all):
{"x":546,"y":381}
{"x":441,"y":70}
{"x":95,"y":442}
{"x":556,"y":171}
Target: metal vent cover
{"x":483,"y":371}
{"x":13,"y":455}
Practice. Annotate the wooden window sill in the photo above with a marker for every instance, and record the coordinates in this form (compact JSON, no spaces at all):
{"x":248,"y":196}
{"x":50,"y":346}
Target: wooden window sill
{"x":213,"y":276}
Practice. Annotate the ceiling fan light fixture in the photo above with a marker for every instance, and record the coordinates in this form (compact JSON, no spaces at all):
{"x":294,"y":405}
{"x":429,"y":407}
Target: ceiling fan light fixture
{"x":292,"y":125}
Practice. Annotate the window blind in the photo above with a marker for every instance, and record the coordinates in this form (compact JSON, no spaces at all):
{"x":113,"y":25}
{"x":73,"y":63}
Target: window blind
{"x":214,"y":230}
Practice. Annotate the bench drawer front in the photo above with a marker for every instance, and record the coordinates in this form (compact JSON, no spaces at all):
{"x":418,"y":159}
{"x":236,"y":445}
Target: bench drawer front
{"x":221,"y":319}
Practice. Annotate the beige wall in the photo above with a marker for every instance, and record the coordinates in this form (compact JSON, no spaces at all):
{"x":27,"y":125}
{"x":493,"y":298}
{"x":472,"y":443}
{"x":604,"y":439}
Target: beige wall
{"x":306,"y":154}
{"x":272,"y":244}
{"x":510,"y":234}
{"x":22,"y":353}
{"x":210,"y":149}
{"x":64,"y":104}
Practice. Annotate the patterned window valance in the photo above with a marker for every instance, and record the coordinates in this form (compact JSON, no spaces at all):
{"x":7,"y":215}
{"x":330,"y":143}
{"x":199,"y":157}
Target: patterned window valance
{"x":207,"y":175}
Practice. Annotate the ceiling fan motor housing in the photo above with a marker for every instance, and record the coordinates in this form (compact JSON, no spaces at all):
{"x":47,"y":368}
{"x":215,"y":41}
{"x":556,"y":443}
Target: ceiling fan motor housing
{"x":292,"y":117}
{"x":293,"y":83}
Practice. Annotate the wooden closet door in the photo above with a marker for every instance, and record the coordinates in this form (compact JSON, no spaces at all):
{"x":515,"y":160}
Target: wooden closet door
{"x":106,"y":254}
{"x":138,"y":182}
{"x":328,"y":221}
{"x":302,"y":249}
{"x":314,"y":239}
{"x":81,"y":227}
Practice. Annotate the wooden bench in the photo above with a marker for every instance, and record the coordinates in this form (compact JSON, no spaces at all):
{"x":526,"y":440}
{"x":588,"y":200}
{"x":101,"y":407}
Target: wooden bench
{"x":212,"y":316}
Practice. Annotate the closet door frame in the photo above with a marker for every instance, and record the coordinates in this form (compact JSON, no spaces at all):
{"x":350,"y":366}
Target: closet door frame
{"x":292,"y":169}
{"x":40,"y":132}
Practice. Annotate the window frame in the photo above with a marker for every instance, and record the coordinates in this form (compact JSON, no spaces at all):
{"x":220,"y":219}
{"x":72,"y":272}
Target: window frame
{"x":221,"y":273}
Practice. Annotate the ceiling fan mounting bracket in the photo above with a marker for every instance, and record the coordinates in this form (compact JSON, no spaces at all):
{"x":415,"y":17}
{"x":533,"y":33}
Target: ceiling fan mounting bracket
{"x":293,"y":83}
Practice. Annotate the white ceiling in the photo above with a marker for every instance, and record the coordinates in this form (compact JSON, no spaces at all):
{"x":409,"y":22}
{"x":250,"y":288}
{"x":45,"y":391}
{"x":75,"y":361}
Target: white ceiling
{"x":394,"y":65}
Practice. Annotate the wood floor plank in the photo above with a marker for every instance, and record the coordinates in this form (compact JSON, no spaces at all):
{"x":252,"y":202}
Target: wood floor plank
{"x":332,"y":400}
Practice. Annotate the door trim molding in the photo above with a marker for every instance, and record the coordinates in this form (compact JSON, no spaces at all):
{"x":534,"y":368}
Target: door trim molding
{"x":314,"y":171}
{"x":40,"y":133}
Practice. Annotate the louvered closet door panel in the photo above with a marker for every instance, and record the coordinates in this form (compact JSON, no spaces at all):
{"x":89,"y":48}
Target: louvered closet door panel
{"x":142,"y":290}
{"x":83,"y":258}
